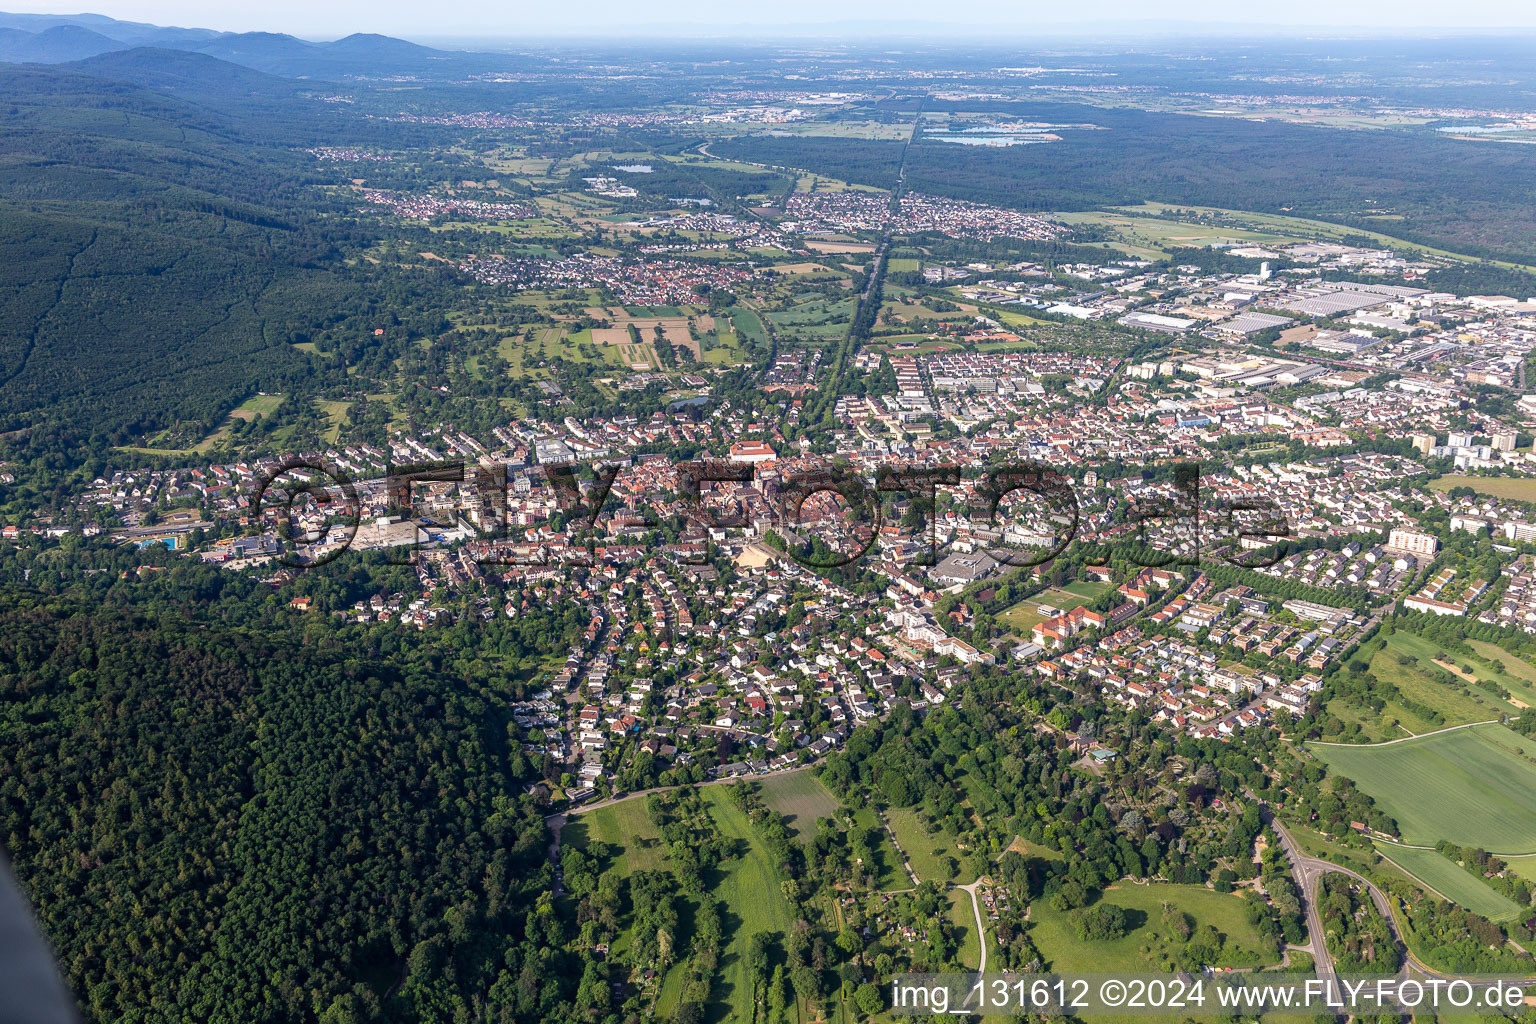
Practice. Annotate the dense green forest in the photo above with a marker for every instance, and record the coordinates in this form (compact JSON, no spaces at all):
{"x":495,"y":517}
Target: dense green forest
{"x":219,"y":828}
{"x":1419,"y":187}
{"x":157,"y":258}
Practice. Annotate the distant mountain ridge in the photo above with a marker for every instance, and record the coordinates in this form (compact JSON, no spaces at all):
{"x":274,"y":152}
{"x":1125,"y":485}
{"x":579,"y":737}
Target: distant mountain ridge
{"x":61,"y":38}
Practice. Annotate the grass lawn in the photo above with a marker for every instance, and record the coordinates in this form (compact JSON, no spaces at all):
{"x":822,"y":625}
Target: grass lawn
{"x":1509,"y":671}
{"x":1023,"y":617}
{"x":887,"y":870}
{"x":748,"y":889}
{"x":1088,"y":589}
{"x":625,"y":825}
{"x":257,"y":405}
{"x":1025,"y":848}
{"x":801,"y":798}
{"x":1355,"y":858}
{"x":926,"y":851}
{"x":1474,"y":786}
{"x":747,"y":326}
{"x":1147,"y":948}
{"x":1511,"y":488}
{"x":1452,"y":881}
{"x":336,"y":412}
{"x":964,"y":920}
{"x":1525,"y":867}
{"x":1458,"y":708}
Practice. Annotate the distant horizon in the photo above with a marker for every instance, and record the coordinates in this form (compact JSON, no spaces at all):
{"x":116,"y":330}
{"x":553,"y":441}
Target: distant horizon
{"x":470,"y":23}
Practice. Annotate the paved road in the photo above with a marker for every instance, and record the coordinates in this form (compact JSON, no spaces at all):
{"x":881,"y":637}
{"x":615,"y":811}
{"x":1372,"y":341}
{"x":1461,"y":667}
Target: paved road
{"x":1308,"y":872}
{"x":1305,"y":873}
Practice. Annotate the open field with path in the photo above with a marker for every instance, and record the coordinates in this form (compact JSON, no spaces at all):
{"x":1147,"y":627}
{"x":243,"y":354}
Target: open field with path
{"x":1474,"y":786}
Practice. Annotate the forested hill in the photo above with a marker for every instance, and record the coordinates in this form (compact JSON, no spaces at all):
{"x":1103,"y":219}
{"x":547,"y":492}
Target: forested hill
{"x":53,"y":38}
{"x":218,"y":828}
{"x":156,"y":254}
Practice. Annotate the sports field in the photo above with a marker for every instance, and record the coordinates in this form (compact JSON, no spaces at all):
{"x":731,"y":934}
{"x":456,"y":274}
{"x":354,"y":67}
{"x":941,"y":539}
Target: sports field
{"x":1026,"y":615}
{"x":1474,"y":786}
{"x":1452,"y":881}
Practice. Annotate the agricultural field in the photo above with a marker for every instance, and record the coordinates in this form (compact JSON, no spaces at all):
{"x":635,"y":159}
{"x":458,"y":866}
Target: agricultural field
{"x":1474,"y":786}
{"x":801,"y":799}
{"x":1451,"y":881}
{"x":1148,"y":947}
{"x":1508,"y":488}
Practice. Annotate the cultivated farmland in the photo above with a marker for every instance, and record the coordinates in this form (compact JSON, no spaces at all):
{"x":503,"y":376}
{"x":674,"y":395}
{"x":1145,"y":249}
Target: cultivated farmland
{"x":1473,"y":786}
{"x":1452,"y":881}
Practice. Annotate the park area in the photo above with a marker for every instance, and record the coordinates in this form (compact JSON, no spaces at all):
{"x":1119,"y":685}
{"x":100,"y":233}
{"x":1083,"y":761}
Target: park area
{"x":746,"y":884}
{"x":1474,"y":786}
{"x":1148,"y":947}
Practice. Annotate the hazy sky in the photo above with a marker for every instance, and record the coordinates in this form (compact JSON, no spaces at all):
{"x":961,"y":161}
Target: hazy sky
{"x":513,"y":18}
